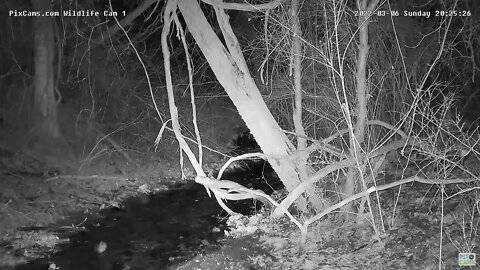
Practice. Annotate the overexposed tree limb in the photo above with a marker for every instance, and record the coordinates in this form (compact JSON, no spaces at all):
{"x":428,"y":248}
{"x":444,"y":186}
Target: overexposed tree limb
{"x":241,"y":88}
{"x":241,"y":157}
{"x":222,"y":189}
{"x":231,"y":40}
{"x":169,"y":17}
{"x":245,"y":7}
{"x":192,"y":93}
{"x":226,"y":189}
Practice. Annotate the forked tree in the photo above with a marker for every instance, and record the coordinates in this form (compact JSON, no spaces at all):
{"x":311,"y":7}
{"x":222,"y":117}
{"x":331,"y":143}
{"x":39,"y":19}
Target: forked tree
{"x":228,"y":64}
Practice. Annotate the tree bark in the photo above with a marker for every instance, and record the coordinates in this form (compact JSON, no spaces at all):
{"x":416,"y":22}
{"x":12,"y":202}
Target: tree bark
{"x":45,"y":104}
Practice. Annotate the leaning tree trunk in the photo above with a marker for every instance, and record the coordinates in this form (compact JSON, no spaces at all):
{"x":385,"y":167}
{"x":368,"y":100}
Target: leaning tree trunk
{"x":232,"y":73}
{"x":45,"y":104}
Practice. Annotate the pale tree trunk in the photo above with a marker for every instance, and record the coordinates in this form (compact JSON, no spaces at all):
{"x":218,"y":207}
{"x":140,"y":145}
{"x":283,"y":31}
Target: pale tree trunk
{"x":296,"y":70}
{"x":45,"y":104}
{"x":231,"y":71}
{"x":354,"y":175}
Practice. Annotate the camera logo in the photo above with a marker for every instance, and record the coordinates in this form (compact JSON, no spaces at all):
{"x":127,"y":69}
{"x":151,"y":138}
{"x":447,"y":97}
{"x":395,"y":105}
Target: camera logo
{"x":467,"y":259}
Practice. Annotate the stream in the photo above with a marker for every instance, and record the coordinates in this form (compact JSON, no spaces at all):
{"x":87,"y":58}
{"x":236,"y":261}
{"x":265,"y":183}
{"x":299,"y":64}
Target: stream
{"x":153,"y":231}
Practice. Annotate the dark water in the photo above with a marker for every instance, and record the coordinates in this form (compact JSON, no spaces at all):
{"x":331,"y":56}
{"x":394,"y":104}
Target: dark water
{"x":148,"y":233}
{"x":154,"y":231}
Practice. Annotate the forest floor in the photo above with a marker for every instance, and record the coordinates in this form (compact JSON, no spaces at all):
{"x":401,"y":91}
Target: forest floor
{"x":418,"y":228}
{"x":416,"y":231}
